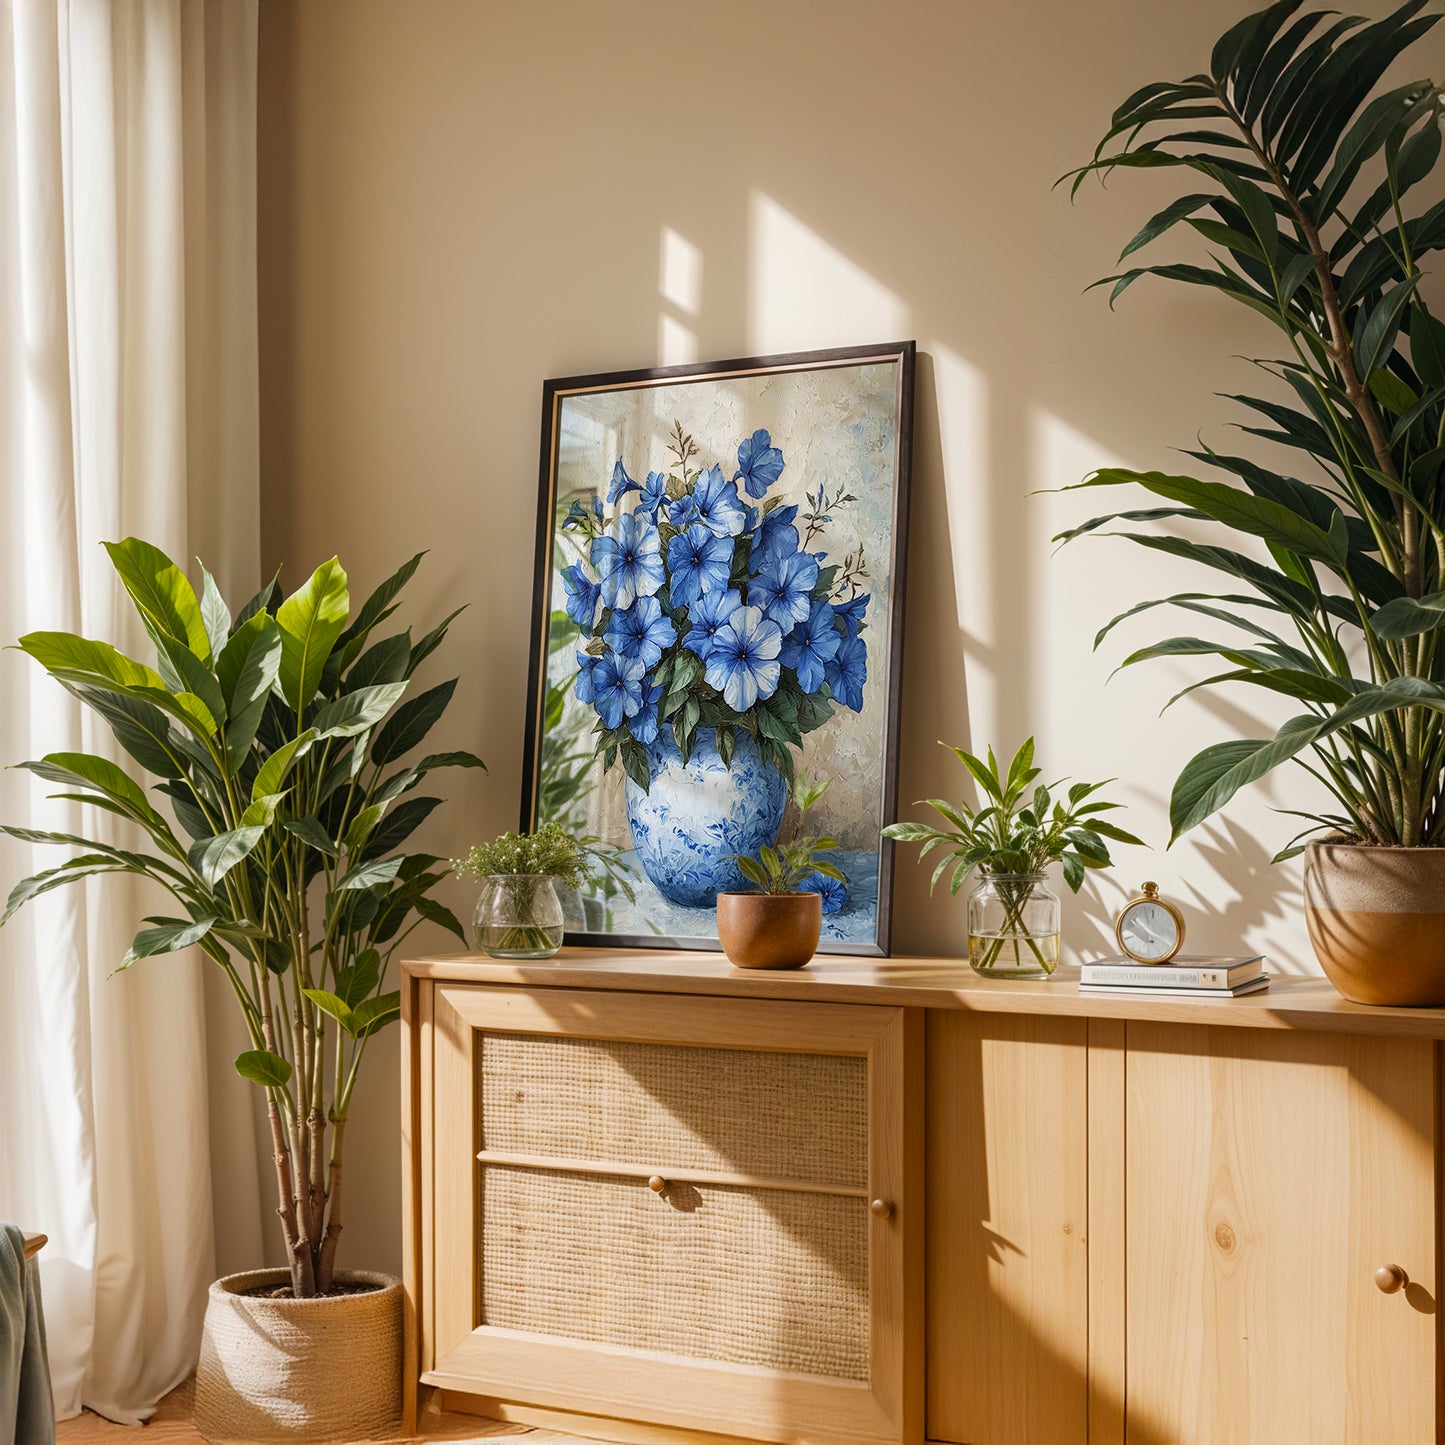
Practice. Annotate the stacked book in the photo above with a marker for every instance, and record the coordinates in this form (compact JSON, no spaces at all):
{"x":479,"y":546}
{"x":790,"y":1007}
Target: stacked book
{"x":1188,"y":975}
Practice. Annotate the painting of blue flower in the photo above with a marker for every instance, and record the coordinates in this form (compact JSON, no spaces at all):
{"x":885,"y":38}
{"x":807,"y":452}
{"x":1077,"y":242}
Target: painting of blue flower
{"x":718,"y":617}
{"x":698,"y":561}
{"x":628,"y":559}
{"x":742,"y":663}
{"x":642,"y":631}
{"x":760,"y":463}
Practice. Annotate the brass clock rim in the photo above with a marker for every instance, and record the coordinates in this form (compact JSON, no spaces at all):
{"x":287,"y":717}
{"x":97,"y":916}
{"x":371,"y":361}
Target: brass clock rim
{"x":1169,"y":908}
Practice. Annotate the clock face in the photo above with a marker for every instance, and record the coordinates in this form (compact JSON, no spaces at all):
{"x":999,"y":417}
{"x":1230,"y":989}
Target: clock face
{"x":1149,"y":931}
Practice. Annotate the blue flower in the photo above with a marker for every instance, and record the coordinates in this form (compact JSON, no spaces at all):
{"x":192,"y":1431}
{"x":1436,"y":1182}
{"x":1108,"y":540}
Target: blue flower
{"x":708,"y":614}
{"x":776,"y":538}
{"x":784,"y":590}
{"x":743,"y":663}
{"x":620,"y":484}
{"x":643,"y":724}
{"x":834,"y":893}
{"x":616,"y":688}
{"x":642,"y":631}
{"x":698,"y":562}
{"x":654,"y":493}
{"x":582,"y":596}
{"x":850,"y":613}
{"x":810,"y":646}
{"x":628,"y":559}
{"x":848,"y":671}
{"x":714,"y":502}
{"x":760,"y":463}
{"x":584,"y":687}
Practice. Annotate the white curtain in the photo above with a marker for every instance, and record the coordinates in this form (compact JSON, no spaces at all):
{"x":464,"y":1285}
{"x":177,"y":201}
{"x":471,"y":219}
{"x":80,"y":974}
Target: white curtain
{"x":128,"y":406}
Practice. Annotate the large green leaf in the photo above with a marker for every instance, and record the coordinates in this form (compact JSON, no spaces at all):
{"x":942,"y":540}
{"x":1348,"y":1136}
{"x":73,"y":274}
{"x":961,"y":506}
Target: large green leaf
{"x":168,"y":938}
{"x":263,"y":1067}
{"x":411,"y":723}
{"x":273,"y":771}
{"x":248,"y":667}
{"x":87,"y":771}
{"x":213,"y":858}
{"x":1427,"y":346}
{"x":65,"y":655}
{"x":311,"y":620}
{"x":1214,"y":776}
{"x":355,"y":712}
{"x":368,"y":875}
{"x":161,"y":592}
{"x":215,"y":615}
{"x":72,"y":871}
{"x":138,"y":726}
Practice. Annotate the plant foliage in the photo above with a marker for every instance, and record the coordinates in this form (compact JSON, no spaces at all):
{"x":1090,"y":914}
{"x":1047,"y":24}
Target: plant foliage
{"x":550,"y":852}
{"x":1307,"y":185}
{"x":1017,"y":832}
{"x":277,"y":737}
{"x":796,"y":867}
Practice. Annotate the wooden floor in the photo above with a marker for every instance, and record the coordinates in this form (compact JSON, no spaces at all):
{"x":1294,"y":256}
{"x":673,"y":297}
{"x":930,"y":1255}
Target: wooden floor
{"x":171,"y":1425}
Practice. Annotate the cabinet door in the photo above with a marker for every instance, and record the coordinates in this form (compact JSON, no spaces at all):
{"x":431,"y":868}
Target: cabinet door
{"x":663,"y":1210}
{"x":1008,"y":1206}
{"x":1268,"y":1176}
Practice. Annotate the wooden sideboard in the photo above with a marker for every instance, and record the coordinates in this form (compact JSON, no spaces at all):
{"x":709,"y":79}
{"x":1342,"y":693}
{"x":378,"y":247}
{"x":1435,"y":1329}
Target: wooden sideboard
{"x":649,"y":1197}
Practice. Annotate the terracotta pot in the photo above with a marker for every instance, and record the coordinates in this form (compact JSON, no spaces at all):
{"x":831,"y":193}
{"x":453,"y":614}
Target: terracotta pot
{"x":769,"y":930}
{"x":308,"y":1369}
{"x":1376,"y":918}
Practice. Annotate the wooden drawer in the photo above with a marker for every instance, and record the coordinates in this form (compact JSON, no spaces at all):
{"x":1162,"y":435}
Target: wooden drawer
{"x":760,"y":1292}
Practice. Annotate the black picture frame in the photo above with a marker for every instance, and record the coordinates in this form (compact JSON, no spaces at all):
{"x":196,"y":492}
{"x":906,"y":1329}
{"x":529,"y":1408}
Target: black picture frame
{"x":903,"y":355}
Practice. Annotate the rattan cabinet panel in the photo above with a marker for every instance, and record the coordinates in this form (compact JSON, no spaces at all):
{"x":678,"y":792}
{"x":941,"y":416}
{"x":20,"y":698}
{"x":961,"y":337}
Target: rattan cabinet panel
{"x":606,"y":1259}
{"x":695,"y":1213}
{"x":660,"y":1106}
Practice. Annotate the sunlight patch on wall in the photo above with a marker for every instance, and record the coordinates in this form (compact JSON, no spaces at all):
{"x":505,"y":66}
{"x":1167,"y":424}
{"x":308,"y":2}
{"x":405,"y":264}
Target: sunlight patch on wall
{"x":1092,"y":725}
{"x":803,"y":293}
{"x":680,"y":285}
{"x":969,"y":495}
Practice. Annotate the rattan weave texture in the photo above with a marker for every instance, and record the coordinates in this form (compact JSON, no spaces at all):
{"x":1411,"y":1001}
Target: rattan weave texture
{"x":749,"y":1276}
{"x":780,"y":1116}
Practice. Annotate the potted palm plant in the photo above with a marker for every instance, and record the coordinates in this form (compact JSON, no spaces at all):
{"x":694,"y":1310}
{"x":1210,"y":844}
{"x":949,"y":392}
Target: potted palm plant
{"x":1306,"y":185}
{"x":279,"y":740}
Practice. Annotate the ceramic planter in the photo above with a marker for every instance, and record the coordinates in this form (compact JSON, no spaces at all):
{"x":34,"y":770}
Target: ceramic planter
{"x":769,"y":930}
{"x":289,"y":1369}
{"x":1376,"y":919}
{"x":697,"y":816}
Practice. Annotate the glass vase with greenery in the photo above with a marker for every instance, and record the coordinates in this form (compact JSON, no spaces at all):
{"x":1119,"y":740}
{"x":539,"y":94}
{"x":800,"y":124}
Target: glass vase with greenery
{"x":1011,"y":840}
{"x":1306,"y":187}
{"x":278,"y":737}
{"x":519,"y":914}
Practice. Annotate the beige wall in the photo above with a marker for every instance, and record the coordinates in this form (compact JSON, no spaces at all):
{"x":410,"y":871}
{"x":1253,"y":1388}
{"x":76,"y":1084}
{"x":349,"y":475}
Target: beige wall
{"x":460,"y":199}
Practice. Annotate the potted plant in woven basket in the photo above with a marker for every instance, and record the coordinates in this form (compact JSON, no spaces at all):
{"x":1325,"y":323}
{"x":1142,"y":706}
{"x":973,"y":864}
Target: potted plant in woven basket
{"x":1307,"y":187}
{"x":279,"y":739}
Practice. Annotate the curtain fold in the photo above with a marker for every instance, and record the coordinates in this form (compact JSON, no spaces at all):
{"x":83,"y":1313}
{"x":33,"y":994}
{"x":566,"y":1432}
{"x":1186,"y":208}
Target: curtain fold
{"x":128,"y":406}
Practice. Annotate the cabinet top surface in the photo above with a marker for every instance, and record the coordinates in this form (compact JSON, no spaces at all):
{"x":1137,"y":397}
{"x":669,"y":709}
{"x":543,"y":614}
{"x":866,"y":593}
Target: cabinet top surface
{"x":921,"y":982}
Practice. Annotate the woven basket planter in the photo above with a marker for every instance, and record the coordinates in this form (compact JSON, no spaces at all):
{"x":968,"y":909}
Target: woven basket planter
{"x":310,"y":1369}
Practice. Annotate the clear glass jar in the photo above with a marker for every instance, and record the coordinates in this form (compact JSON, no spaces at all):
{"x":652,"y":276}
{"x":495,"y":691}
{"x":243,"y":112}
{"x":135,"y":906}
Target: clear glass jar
{"x":1014,"y":923}
{"x":518,"y":916}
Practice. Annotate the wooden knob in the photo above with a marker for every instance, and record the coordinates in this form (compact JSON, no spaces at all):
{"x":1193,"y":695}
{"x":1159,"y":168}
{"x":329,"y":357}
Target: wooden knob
{"x":1391,"y":1279}
{"x":657,"y":1184}
{"x":881,"y":1208}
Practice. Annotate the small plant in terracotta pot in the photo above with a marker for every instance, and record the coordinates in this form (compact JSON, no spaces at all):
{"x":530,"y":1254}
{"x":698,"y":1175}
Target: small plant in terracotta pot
{"x":778,"y":925}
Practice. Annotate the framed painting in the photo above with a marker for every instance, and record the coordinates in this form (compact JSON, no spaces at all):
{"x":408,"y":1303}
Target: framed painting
{"x":719,"y":609}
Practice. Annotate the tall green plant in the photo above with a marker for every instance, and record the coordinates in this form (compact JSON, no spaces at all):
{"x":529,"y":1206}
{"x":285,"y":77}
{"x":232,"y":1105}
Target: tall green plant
{"x":277,"y":737}
{"x":1303,"y":185}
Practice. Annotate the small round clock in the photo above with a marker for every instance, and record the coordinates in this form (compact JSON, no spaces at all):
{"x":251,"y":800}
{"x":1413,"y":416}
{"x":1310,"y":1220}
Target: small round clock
{"x":1149,"y":929}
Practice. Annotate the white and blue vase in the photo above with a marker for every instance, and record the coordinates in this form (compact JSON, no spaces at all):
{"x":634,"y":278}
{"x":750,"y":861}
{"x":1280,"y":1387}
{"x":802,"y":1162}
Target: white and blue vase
{"x":697,"y":815}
